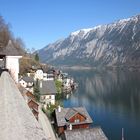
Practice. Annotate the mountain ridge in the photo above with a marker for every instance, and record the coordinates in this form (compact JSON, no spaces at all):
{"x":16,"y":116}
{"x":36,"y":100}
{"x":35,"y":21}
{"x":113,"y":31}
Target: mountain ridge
{"x":115,"y":44}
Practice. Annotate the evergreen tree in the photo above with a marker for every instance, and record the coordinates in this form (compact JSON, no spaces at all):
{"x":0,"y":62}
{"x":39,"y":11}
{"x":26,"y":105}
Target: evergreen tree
{"x":36,"y":57}
{"x":37,"y":91}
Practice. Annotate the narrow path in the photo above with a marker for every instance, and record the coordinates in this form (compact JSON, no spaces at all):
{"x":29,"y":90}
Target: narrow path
{"x":45,"y":123}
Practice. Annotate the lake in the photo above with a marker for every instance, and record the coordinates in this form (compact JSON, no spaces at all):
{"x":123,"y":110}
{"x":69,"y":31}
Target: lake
{"x":112,"y":98}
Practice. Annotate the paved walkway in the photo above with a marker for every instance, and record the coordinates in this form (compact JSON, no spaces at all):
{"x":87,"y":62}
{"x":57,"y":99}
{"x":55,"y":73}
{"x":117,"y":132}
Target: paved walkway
{"x":45,"y":123}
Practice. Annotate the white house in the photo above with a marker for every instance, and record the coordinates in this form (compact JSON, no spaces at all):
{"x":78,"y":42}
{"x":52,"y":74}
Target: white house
{"x":11,"y":58}
{"x":12,"y":64}
{"x":67,"y":82}
{"x":47,"y":92}
{"x":39,"y":74}
{"x":47,"y":77}
{"x":27,"y":82}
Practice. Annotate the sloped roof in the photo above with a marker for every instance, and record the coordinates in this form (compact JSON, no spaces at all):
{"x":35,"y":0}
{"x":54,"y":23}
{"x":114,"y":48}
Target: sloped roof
{"x":61,"y":116}
{"x":9,"y":50}
{"x":16,"y":120}
{"x":32,"y":100}
{"x":28,"y":79}
{"x":48,"y":88}
{"x":95,"y":133}
{"x":71,"y":112}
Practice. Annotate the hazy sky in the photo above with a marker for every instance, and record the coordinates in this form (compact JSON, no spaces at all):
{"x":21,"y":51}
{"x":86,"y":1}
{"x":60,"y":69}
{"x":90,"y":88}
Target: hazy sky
{"x":40,"y":22}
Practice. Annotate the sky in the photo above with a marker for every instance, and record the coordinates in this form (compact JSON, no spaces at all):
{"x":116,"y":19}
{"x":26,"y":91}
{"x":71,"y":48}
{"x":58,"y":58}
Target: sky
{"x":40,"y":22}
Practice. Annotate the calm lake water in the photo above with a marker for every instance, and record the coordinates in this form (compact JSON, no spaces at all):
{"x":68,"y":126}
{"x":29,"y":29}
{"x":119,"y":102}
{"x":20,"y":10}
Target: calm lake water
{"x":112,"y":99}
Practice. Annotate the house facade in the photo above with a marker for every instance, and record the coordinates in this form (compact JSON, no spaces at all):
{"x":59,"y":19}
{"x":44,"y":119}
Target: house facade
{"x":48,"y":99}
{"x":47,"y":92}
{"x":71,"y":118}
{"x":10,"y":60}
{"x":39,"y":74}
{"x":12,"y":64}
{"x":67,"y":83}
{"x":27,"y":82}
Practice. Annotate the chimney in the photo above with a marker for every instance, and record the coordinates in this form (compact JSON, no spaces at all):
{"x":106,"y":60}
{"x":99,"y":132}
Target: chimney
{"x":40,"y":84}
{"x":70,"y":126}
{"x":59,"y":108}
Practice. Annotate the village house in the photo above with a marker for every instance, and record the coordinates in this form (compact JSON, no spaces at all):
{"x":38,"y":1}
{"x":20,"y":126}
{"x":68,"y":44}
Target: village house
{"x":27,"y":82}
{"x":39,"y":74}
{"x":47,"y":92}
{"x":9,"y":59}
{"x":67,"y":83}
{"x":71,"y":118}
{"x":52,"y":73}
{"x":47,"y":77}
{"x":95,"y":133}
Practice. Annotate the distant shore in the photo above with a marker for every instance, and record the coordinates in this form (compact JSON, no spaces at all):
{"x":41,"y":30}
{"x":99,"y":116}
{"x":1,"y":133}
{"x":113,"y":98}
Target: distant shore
{"x":78,"y":67}
{"x":130,"y":68}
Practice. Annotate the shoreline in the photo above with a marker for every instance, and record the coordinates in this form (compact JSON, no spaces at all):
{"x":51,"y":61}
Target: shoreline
{"x":129,"y":68}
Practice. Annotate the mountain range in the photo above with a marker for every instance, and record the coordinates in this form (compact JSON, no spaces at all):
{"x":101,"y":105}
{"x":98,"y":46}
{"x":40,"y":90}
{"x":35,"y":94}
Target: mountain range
{"x":115,"y":44}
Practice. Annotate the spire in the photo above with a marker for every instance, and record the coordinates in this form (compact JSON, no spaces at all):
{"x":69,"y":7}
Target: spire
{"x":9,"y":42}
{"x":10,"y":50}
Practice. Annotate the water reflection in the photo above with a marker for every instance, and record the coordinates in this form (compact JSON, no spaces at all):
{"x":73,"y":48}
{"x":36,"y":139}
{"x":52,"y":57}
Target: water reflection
{"x":112,"y":96}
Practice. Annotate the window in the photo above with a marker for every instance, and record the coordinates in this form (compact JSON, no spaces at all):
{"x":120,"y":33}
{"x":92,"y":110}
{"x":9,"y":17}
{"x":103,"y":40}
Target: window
{"x":50,"y":97}
{"x":76,"y":120}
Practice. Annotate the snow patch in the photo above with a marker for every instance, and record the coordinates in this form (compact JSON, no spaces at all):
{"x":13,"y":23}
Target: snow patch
{"x":85,"y":30}
{"x":82,"y":30}
{"x":124,"y":20}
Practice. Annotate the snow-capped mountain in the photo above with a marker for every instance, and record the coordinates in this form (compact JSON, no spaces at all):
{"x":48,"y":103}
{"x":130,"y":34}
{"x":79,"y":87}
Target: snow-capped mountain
{"x":113,"y":44}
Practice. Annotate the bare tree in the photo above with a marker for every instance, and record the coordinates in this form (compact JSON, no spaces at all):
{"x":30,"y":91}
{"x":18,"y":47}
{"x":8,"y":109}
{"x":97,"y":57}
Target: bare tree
{"x":19,"y":44}
{"x":5,"y":34}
